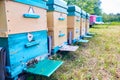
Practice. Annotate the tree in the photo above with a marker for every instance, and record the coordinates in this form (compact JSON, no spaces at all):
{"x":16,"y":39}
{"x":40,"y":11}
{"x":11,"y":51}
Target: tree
{"x":90,"y":6}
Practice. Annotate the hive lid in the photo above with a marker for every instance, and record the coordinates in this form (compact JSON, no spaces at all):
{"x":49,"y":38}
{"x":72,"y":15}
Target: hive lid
{"x":87,"y":15}
{"x":45,"y":67}
{"x":37,"y":3}
{"x":57,"y":5}
{"x":74,"y":8}
{"x":83,"y":14}
{"x":60,"y":3}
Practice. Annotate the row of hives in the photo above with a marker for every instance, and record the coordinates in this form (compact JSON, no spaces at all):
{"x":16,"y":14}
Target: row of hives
{"x":30,"y":30}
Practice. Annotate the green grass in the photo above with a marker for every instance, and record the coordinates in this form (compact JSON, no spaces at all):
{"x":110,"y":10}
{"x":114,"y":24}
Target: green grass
{"x":97,"y":60}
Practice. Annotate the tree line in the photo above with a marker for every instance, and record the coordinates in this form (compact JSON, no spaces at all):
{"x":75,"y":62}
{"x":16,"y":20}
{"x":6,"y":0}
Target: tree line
{"x":90,"y":6}
{"x":111,"y":17}
{"x":93,"y":7}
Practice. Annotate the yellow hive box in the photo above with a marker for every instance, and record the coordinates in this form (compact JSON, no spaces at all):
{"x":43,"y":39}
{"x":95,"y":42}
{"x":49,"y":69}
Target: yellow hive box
{"x":87,"y":26}
{"x":12,"y":20}
{"x":56,"y":26}
{"x":74,"y":26}
{"x":82,"y":26}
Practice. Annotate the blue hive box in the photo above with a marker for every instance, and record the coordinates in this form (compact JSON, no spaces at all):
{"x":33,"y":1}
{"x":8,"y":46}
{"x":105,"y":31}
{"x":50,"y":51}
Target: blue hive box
{"x":87,"y":15}
{"x":83,"y":14}
{"x":73,"y":10}
{"x":57,"y":5}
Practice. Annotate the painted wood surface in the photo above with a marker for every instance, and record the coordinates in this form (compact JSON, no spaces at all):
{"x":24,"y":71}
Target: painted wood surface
{"x":87,"y":26}
{"x":3,"y":23}
{"x":57,"y":41}
{"x":19,"y":54}
{"x":53,"y":19}
{"x":74,"y":26}
{"x":56,"y":26}
{"x":82,"y":27}
{"x":13,"y":21}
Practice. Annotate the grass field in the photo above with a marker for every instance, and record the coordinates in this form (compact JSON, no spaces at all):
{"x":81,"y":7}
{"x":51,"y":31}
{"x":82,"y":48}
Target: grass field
{"x":97,"y":60}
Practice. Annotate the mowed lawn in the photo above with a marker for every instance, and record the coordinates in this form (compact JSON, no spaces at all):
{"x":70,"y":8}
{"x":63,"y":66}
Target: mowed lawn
{"x":97,"y":60}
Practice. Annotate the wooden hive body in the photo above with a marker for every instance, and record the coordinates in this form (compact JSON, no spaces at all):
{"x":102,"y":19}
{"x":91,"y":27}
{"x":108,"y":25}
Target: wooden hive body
{"x":15,"y":30}
{"x":87,"y":23}
{"x":73,"y":23}
{"x":57,"y":23}
{"x":83,"y":24}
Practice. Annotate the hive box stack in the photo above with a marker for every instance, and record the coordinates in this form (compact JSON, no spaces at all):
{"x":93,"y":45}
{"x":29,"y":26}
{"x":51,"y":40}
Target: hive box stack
{"x":23,"y":32}
{"x":92,"y":20}
{"x":87,"y":24}
{"x":57,"y":23}
{"x":73,"y":22}
{"x":82,"y":23}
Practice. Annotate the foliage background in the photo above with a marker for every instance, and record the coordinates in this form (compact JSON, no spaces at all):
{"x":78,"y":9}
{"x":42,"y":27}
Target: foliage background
{"x":94,"y":7}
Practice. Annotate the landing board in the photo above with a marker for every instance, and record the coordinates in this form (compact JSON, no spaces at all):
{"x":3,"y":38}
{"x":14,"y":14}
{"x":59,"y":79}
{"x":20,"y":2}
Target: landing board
{"x":69,"y":48}
{"x":45,"y":67}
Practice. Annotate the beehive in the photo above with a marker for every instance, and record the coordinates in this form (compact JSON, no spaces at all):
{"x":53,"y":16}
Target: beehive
{"x":73,"y":22}
{"x":82,"y":23}
{"x":57,"y":22}
{"x":87,"y":24}
{"x":23,"y":32}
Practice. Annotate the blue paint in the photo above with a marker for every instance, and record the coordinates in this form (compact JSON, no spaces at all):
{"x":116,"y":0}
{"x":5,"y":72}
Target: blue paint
{"x":61,"y":35}
{"x":57,"y":48}
{"x":74,"y":40}
{"x":87,"y":15}
{"x":83,"y":14}
{"x":30,"y":44}
{"x":28,"y":15}
{"x":19,"y":54}
{"x":37,"y":3}
{"x":99,"y":19}
{"x":57,"y":5}
{"x":57,"y":8}
{"x":73,"y":10}
{"x":83,"y":41}
{"x":61,"y":19}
